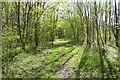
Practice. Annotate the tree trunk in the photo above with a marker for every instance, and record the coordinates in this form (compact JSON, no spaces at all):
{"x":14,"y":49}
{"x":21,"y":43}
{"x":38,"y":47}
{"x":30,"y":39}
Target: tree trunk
{"x":110,"y":22}
{"x":36,"y":29}
{"x":116,"y":28}
{"x":18,"y":25}
{"x":97,"y":29}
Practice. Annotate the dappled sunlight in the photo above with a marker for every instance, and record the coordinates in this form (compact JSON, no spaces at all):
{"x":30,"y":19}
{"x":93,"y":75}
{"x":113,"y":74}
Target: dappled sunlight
{"x":63,"y":62}
{"x":63,"y":40}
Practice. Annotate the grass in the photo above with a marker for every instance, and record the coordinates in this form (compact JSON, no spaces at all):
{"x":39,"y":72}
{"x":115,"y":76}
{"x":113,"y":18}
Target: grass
{"x":63,"y":55}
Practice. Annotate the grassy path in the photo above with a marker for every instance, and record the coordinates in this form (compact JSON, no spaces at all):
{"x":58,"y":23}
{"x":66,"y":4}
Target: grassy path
{"x":64,"y":60}
{"x":69,"y":69}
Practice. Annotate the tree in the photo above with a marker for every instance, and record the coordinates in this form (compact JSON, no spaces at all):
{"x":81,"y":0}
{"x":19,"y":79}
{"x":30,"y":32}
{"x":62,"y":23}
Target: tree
{"x":116,"y":26}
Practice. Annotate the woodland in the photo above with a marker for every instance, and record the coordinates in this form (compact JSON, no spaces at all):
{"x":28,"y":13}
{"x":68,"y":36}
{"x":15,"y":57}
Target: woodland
{"x":60,"y":39}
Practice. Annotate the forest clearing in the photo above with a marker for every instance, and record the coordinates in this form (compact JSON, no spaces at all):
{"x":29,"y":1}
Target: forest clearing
{"x":60,"y":39}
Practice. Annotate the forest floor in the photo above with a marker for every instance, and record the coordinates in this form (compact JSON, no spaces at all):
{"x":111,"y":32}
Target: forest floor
{"x":64,"y":60}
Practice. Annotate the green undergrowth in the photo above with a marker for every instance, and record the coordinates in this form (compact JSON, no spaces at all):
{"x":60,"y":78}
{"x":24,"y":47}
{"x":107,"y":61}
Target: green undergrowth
{"x":98,"y":65}
{"x":86,"y":62}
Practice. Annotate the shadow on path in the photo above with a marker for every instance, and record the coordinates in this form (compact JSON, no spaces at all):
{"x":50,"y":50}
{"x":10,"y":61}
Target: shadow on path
{"x":59,"y":67}
{"x":62,"y":55}
{"x":111,"y":70}
{"x":82,"y":60}
{"x":102,"y":67}
{"x":53,"y":61}
{"x":106,"y":70}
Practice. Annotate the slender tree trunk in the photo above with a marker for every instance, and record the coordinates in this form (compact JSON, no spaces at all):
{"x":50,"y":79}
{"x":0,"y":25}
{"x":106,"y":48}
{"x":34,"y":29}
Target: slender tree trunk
{"x":93,"y":33}
{"x":88,"y":27}
{"x":116,"y":28}
{"x":110,"y":21}
{"x":105,"y":35}
{"x":119,"y":23}
{"x":18,"y":25}
{"x":97,"y":29}
{"x":24,"y":27}
{"x":36,"y":29}
{"x":27,"y":24}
